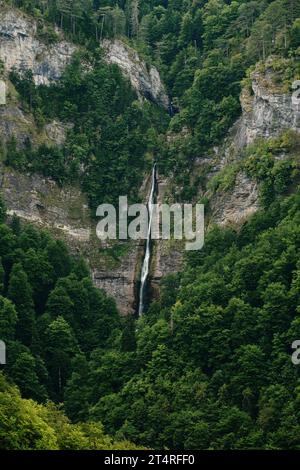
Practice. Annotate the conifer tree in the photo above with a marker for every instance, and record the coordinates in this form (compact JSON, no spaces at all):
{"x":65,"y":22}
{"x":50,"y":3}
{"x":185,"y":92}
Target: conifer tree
{"x":20,"y":293}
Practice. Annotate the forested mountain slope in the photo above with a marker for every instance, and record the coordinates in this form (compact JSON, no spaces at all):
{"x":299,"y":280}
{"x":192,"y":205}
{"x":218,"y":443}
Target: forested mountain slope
{"x":209,"y":366}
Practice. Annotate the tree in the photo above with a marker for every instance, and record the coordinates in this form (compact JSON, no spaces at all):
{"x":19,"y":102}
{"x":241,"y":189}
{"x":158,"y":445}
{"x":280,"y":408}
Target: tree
{"x":60,"y":304}
{"x":20,"y":293}
{"x":16,"y":225}
{"x":59,"y":257}
{"x":24,"y":374}
{"x":133,"y":16}
{"x":60,"y":348}
{"x":128,"y":340}
{"x":7,"y":244}
{"x":78,"y":389}
{"x":80,"y":268}
{"x":295,"y":34}
{"x":40,"y":275}
{"x":2,"y":210}
{"x":8,"y":319}
{"x":1,"y":277}
{"x":23,"y":422}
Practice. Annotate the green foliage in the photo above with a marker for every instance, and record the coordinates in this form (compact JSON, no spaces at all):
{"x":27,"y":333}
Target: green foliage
{"x":214,"y":349}
{"x":225,"y":179}
{"x":111,"y":131}
{"x":2,"y":210}
{"x":49,"y":312}
{"x":20,"y":293}
{"x":22,"y":425}
{"x":25,"y":425}
{"x":8,"y":319}
{"x":275,"y":174}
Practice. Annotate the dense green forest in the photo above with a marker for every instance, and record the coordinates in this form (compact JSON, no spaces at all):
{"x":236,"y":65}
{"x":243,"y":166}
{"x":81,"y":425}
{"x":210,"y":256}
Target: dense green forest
{"x":212,"y":370}
{"x":51,"y":319}
{"x":26,"y":425}
{"x":209,"y":366}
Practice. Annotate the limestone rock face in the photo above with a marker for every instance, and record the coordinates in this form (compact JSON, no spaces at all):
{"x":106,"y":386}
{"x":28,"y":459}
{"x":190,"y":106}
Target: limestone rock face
{"x":144,"y":79}
{"x":167,"y":259}
{"x":20,"y":48}
{"x":56,"y":131}
{"x":167,"y":256}
{"x":40,"y":201}
{"x":237,"y":205}
{"x":14,"y":122}
{"x":267,"y":110}
{"x":121,"y":282}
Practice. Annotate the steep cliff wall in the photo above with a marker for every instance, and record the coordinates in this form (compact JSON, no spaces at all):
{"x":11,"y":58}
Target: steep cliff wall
{"x":20,"y":48}
{"x":268,"y":108}
{"x":167,"y":255}
{"x":63,"y":211}
{"x":144,"y":79}
{"x":120,"y":281}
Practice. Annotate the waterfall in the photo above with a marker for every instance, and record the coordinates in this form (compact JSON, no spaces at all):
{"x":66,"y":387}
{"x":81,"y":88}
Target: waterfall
{"x":146,"y":261}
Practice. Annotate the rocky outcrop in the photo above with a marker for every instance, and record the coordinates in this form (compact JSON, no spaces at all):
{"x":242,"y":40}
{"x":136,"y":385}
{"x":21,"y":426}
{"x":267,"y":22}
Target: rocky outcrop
{"x":144,"y":79}
{"x":120,"y":282}
{"x":235,"y":206}
{"x":20,"y":48}
{"x":267,"y":108}
{"x":167,"y":259}
{"x":14,"y":122}
{"x":37,"y":200}
{"x":167,"y":256}
{"x":56,"y":132}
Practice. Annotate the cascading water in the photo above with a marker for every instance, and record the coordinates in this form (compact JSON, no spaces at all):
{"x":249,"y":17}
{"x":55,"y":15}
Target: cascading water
{"x":146,"y":261}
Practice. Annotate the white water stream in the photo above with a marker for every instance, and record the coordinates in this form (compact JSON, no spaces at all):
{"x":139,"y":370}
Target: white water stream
{"x":146,"y":261}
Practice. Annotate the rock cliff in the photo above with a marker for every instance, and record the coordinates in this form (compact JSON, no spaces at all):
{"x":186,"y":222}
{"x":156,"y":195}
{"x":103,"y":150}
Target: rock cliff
{"x":21,"y":49}
{"x":268,"y":107}
{"x":40,"y":201}
{"x":144,"y":79}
